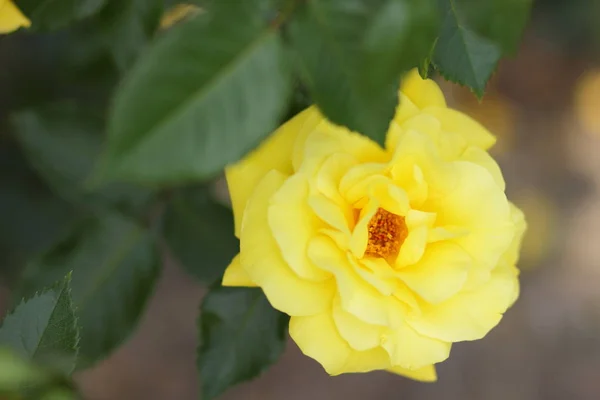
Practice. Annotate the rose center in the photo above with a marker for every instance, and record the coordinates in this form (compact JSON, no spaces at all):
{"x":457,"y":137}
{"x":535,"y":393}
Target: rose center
{"x":387,"y":232}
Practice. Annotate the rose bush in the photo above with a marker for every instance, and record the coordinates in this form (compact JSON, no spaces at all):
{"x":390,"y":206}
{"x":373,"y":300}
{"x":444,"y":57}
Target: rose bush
{"x":382,"y":257}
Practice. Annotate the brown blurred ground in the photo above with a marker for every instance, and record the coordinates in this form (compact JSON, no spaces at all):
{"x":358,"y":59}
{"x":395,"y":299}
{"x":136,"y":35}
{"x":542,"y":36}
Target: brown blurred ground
{"x":548,"y":345}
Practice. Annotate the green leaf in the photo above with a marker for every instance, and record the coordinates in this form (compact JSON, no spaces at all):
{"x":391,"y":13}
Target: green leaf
{"x":241,"y":336}
{"x":463,"y":56}
{"x":44,"y":328}
{"x":205,"y":94}
{"x":399,"y":38}
{"x":475,"y":35}
{"x":115,"y":268}
{"x":62,"y":142}
{"x":31,"y":217}
{"x":199,"y":232}
{"x":351,"y":54}
{"x":21,"y":378}
{"x":58,"y":394}
{"x":56,"y":14}
{"x":128,"y":26}
{"x":501,"y":21}
{"x":17,"y":372}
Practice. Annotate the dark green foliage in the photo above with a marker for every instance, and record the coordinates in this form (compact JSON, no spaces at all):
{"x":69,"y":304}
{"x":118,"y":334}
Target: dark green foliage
{"x":199,"y":232}
{"x":241,"y":336}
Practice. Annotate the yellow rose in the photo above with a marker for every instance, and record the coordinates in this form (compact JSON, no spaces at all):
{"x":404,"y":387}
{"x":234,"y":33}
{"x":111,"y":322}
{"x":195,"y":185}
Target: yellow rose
{"x":382,"y":257}
{"x":11,"y":18}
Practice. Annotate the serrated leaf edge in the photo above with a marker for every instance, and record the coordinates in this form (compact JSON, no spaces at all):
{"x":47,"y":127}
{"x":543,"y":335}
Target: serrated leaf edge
{"x":66,"y":287}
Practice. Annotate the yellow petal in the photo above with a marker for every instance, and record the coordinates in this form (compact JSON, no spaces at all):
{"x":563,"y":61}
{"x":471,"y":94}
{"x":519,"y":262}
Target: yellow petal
{"x":416,"y":218}
{"x":316,"y":122}
{"x":409,"y":299}
{"x":389,"y":196}
{"x":424,"y":374}
{"x":406,"y":109}
{"x":357,"y":297}
{"x":447,"y":232}
{"x":415,"y":162}
{"x":470,"y":315}
{"x":359,"y":334}
{"x":326,"y":200}
{"x":11,"y":17}
{"x":274,"y":153}
{"x":328,"y":179}
{"x":360,"y":235}
{"x":394,"y":134}
{"x":411,"y":350}
{"x":422,"y":92}
{"x":485,"y":160}
{"x":441,"y":272}
{"x":413,"y":247}
{"x":456,"y":122}
{"x":371,"y":270}
{"x":356,"y":175}
{"x":473,"y":200}
{"x":318,"y":338}
{"x":512,"y":253}
{"x":449,"y":144}
{"x":335,"y":215}
{"x":341,"y":239}
{"x":423,"y":124}
{"x":293,"y":224}
{"x":235,"y":275}
{"x":261,"y":258}
{"x":379,"y":266}
{"x":416,"y":187}
{"x":366,"y":361}
{"x":359,"y":194}
{"x":327,"y":139}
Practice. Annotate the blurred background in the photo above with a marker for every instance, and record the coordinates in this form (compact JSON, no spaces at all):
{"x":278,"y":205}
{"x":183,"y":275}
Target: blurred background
{"x":544,"y":106}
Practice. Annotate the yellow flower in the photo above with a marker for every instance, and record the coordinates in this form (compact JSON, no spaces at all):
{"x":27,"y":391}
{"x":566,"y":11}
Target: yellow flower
{"x":382,"y":257}
{"x":11,"y":18}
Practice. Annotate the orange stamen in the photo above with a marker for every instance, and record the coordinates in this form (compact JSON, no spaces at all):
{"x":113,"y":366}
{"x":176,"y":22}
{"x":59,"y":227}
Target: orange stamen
{"x":387,"y":232}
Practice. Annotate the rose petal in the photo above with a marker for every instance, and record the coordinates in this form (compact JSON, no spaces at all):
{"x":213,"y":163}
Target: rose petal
{"x":274,"y":153}
{"x":235,"y":275}
{"x":409,"y":349}
{"x":357,"y":297}
{"x":474,"y":201}
{"x":293,"y":224}
{"x":422,"y":92}
{"x":318,"y":338}
{"x":11,"y":18}
{"x":485,"y":160}
{"x":441,"y":272}
{"x":261,"y":258}
{"x":423,"y":374}
{"x":359,"y":334}
{"x":461,"y":124}
{"x":470,"y":315}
